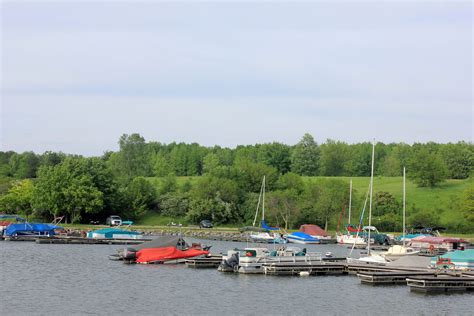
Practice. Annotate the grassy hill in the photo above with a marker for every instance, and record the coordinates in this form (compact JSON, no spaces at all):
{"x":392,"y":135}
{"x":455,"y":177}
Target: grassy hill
{"x":443,"y":199}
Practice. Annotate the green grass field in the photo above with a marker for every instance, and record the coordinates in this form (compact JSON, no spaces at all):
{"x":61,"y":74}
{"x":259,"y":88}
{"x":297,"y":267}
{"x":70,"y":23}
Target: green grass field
{"x":443,"y":199}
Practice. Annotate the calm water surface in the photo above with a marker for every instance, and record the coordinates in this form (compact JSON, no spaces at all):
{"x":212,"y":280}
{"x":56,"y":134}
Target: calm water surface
{"x":80,"y":279}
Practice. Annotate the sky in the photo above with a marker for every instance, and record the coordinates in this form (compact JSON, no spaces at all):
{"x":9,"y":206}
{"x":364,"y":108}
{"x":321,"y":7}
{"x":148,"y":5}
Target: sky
{"x":77,"y":75}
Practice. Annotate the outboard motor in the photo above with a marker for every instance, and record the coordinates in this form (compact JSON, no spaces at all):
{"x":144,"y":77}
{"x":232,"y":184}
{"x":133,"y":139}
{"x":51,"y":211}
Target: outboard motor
{"x":231,"y":264}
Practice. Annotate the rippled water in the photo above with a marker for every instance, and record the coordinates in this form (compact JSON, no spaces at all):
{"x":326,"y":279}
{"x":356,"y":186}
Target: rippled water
{"x":80,"y":279}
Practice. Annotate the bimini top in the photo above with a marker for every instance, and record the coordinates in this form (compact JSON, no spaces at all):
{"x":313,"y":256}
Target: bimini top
{"x":31,"y":229}
{"x":313,"y":230}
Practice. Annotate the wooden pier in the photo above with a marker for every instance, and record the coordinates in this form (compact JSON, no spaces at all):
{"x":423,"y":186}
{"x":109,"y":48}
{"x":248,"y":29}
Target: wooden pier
{"x":81,"y":241}
{"x":440,"y":284}
{"x":387,"y":278}
{"x":296,"y":268}
{"x":204,"y":262}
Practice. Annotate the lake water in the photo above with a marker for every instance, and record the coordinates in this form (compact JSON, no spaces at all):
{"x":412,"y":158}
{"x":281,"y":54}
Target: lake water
{"x":80,"y":279}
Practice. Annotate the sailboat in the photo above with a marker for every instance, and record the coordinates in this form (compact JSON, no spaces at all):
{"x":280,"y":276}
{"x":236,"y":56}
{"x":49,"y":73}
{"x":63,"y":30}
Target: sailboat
{"x":397,"y":251}
{"x":263,"y":234}
{"x":371,"y":258}
{"x":349,"y":238}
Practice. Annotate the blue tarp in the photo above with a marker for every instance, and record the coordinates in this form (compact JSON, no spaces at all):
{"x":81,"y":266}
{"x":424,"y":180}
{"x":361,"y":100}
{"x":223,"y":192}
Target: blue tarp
{"x":31,"y":229}
{"x":303,"y":236}
{"x":265,"y":226}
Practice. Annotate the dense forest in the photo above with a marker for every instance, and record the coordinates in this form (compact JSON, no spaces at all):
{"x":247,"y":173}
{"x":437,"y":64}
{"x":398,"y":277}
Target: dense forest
{"x":142,"y":178}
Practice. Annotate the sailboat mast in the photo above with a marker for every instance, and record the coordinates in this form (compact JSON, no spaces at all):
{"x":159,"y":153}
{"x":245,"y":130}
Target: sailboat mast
{"x":404,"y":205}
{"x":263,"y":199}
{"x":350,"y":201}
{"x":370,"y":200}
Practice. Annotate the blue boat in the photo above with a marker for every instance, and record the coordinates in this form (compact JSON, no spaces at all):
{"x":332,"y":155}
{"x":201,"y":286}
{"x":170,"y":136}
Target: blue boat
{"x":31,"y":229}
{"x":114,"y":233}
{"x":302,"y":238}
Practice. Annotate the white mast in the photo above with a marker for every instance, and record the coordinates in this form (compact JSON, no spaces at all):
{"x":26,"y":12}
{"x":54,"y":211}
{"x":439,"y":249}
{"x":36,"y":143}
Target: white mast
{"x":370,"y":201}
{"x":350,"y":200}
{"x":263,"y":199}
{"x":259,"y":199}
{"x":404,"y":205}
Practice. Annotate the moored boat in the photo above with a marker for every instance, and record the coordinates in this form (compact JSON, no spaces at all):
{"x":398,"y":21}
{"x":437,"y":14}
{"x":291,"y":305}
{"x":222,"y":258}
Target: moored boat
{"x":114,"y":233}
{"x":456,"y":260}
{"x":302,"y":238}
{"x":252,"y":260}
{"x":161,"y":250}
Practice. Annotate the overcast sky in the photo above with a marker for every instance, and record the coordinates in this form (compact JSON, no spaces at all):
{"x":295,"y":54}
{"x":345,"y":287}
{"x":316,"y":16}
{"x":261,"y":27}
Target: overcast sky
{"x":77,"y":75}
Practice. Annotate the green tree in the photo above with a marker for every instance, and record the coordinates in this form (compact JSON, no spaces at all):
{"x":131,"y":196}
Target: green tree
{"x":132,"y":160}
{"x":291,"y":181}
{"x":161,"y":166}
{"x":24,"y":165}
{"x":334,"y":158}
{"x":210,"y":162}
{"x":467,"y":205}
{"x":18,"y":198}
{"x":141,"y":197}
{"x":459,"y":159}
{"x":275,"y":155}
{"x":427,"y":169}
{"x":282,"y":206}
{"x":322,"y":200}
{"x":174,"y":204}
{"x":67,"y":189}
{"x":305,"y":157}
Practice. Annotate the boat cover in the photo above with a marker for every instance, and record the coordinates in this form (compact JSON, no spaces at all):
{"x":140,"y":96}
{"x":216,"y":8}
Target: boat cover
{"x":30,"y":228}
{"x":265,"y":226}
{"x":313,"y":230}
{"x":160,"y":242}
{"x":302,"y":236}
{"x":148,"y":255}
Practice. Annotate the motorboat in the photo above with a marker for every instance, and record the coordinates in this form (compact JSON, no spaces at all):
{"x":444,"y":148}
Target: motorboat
{"x":31,"y":229}
{"x":397,"y":251}
{"x":165,"y":249}
{"x":455,"y":260}
{"x":302,"y":238}
{"x":114,"y":233}
{"x":253,"y":260}
{"x":266,"y":237}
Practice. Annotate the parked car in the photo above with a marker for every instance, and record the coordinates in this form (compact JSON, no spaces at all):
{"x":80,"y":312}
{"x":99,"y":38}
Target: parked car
{"x":113,"y":220}
{"x":205,"y":224}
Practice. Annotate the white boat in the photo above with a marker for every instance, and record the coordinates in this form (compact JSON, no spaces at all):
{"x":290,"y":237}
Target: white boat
{"x":269,"y":234}
{"x":252,"y":260}
{"x":350,"y":240}
{"x":397,"y":251}
{"x":371,"y":258}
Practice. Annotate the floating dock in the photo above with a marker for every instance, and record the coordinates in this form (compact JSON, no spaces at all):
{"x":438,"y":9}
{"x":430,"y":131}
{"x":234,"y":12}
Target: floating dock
{"x":204,"y":262}
{"x":296,"y":268}
{"x":387,"y":278}
{"x":440,"y":284}
{"x":77,"y":240}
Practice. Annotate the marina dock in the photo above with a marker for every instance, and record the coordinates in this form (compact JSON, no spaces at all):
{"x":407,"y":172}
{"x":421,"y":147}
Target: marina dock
{"x":77,"y":240}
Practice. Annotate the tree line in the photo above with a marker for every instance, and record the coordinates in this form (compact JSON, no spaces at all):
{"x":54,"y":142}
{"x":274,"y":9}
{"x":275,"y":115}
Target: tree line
{"x":123,"y":182}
